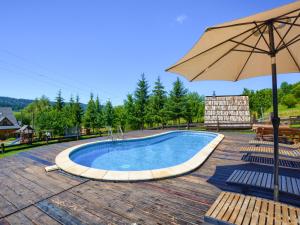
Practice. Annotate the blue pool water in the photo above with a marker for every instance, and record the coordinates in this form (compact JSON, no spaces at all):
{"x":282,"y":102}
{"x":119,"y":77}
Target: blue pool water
{"x":156,"y":152}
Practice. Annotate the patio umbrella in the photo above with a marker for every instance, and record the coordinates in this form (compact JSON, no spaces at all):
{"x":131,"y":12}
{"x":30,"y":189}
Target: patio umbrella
{"x":262,"y":44}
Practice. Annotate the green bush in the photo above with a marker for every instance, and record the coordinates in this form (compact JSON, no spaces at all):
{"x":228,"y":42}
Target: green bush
{"x":11,"y":139}
{"x":296,"y":91}
{"x":289,"y":100}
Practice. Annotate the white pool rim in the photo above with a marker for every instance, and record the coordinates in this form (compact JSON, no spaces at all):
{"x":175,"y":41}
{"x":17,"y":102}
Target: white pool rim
{"x":64,"y":163}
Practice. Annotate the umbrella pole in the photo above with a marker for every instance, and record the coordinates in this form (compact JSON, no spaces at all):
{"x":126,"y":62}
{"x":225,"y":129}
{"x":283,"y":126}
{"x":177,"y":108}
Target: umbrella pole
{"x":275,"y":118}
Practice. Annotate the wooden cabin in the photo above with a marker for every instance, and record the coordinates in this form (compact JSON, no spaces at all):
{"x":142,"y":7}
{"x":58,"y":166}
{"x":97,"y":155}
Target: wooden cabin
{"x":8,"y":123}
{"x":26,"y":134}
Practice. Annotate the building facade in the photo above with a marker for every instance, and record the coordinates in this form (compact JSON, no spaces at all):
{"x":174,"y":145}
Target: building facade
{"x":8,"y":123}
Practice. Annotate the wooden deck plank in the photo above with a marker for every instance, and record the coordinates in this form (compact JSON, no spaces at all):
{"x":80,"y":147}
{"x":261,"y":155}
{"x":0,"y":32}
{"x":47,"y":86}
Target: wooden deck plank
{"x":231,"y":207}
{"x":243,"y":210}
{"x":283,"y":184}
{"x":250,"y":178}
{"x":263,"y":213}
{"x":295,"y":187}
{"x":224,"y":207}
{"x":289,"y":185}
{"x":256,"y":211}
{"x":270,"y":217}
{"x":36,"y":216}
{"x":278,"y":215}
{"x":237,"y":209}
{"x":285,"y":214}
{"x":181,"y":200}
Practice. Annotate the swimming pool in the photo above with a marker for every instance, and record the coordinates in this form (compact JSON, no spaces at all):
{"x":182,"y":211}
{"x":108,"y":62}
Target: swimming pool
{"x":168,"y":154}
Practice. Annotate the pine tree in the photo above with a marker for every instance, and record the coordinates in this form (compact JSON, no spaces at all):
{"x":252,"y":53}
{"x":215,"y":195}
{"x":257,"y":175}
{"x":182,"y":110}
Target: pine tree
{"x":141,"y":99}
{"x":78,"y":112}
{"x":59,"y":104}
{"x":158,"y":101}
{"x":131,"y":119}
{"x":196,"y":103}
{"x":90,"y":114}
{"x":120,"y":116}
{"x":99,"y":114}
{"x":109,"y":114}
{"x":176,"y":103}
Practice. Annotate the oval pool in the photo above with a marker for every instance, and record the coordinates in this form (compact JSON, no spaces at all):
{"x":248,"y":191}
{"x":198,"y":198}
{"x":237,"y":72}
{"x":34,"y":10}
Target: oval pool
{"x":157,"y":156}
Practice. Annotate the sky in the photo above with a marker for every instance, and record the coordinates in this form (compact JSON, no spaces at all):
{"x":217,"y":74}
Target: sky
{"x":103,"y":46}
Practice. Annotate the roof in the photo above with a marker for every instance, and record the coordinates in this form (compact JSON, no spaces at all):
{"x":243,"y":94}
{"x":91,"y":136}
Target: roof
{"x":6,"y":112}
{"x":25,"y":128}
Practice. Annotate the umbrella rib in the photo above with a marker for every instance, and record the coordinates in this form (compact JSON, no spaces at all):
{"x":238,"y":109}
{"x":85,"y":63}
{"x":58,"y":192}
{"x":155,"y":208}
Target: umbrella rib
{"x":215,"y":46}
{"x":292,"y":41}
{"x":261,"y":35}
{"x":249,"y":46}
{"x":240,"y":50}
{"x":287,"y":48}
{"x":246,"y":23}
{"x":288,"y":17}
{"x":226,"y":53}
{"x":291,"y":26}
{"x":288,"y":23}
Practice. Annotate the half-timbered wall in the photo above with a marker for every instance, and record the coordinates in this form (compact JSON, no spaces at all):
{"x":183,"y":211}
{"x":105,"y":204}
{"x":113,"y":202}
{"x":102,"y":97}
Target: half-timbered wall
{"x":227,"y":111}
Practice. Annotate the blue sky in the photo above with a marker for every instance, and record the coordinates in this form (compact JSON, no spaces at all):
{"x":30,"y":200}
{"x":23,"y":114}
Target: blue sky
{"x":104,"y":46}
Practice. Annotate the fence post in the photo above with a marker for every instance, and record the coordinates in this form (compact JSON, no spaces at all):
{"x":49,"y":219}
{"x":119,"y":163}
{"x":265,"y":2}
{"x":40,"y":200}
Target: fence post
{"x":2,"y":148}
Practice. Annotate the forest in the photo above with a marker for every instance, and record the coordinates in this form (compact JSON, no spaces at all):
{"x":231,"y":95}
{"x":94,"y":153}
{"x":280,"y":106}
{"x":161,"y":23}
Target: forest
{"x":143,"y":108}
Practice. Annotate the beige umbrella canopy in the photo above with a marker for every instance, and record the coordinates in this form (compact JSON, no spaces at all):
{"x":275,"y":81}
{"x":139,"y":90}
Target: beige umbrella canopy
{"x":240,"y":49}
{"x":258,"y":45}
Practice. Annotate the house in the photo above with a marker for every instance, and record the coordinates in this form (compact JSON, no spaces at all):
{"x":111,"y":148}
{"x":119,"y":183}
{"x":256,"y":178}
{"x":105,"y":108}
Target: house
{"x":26,"y":134}
{"x":8,"y":123}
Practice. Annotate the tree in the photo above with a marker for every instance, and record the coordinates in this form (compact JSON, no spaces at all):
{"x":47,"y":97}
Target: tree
{"x":289,"y":100}
{"x":109,"y":114}
{"x":157,"y":103}
{"x":129,"y":106}
{"x":90,"y":114}
{"x":188,"y":112}
{"x":176,"y":103}
{"x":296,"y":91}
{"x":99,"y":114}
{"x":59,"y":104}
{"x":73,"y":112}
{"x":285,"y":88}
{"x":31,"y":113}
{"x":78,"y":112}
{"x":259,"y":100}
{"x":141,"y":99}
{"x":120,"y":116}
{"x":196,"y":103}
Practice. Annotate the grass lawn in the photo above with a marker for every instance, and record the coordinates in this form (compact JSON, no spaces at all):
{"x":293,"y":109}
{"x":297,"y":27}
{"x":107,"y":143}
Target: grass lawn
{"x":284,"y":111}
{"x":12,"y":150}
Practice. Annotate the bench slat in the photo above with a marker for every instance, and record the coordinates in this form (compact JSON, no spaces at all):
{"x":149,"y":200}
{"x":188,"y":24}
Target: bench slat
{"x":242,"y":209}
{"x":290,"y":185}
{"x":212,"y":208}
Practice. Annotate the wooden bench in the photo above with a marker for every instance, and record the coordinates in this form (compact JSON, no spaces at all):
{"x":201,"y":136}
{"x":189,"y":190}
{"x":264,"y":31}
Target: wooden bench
{"x":289,"y":185}
{"x":265,"y":150}
{"x":285,"y":133}
{"x":233,"y":208}
{"x":271,"y":143}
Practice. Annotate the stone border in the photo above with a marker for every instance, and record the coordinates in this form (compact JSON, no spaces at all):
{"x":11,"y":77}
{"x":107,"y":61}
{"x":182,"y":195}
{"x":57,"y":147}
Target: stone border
{"x":63,"y":162}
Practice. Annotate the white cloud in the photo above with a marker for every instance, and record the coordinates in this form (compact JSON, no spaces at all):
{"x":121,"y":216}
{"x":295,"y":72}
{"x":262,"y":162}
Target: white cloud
{"x":181,"y":18}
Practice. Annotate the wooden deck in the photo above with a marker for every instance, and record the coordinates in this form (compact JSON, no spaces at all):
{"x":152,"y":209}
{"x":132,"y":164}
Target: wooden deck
{"x":28,"y":195}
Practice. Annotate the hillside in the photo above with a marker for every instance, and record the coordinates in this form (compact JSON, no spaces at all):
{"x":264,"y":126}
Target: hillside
{"x":19,"y":103}
{"x":15,"y":103}
{"x":284,"y":111}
